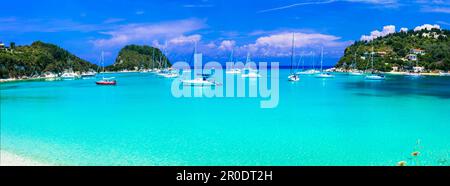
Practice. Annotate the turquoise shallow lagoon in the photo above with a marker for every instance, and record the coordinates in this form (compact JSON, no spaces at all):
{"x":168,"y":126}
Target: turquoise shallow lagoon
{"x":340,"y":121}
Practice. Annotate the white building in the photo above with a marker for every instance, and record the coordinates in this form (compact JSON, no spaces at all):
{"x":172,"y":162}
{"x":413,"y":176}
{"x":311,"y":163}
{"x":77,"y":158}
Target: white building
{"x":411,"y":57}
{"x":418,"y":69}
{"x":417,"y":51}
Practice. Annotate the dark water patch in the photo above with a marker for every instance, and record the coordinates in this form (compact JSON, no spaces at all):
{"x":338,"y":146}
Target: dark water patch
{"x":372,"y":95}
{"x":8,"y":87}
{"x":403,"y":86}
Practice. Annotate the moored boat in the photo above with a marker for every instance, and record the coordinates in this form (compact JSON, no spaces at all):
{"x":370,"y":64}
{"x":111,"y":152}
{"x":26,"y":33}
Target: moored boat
{"x":375,"y":77}
{"x":106,"y":81}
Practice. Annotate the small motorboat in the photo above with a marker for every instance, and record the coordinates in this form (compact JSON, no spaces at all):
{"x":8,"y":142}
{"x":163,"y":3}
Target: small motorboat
{"x":106,"y":81}
{"x":233,"y":71}
{"x":413,"y":74}
{"x":69,"y":76}
{"x":444,"y":74}
{"x":293,"y":78}
{"x":201,"y":81}
{"x":375,"y":77}
{"x":308,"y":72}
{"x":88,"y":74}
{"x":325,"y":75}
{"x":170,"y":75}
{"x":198,"y":82}
{"x":356,"y":73}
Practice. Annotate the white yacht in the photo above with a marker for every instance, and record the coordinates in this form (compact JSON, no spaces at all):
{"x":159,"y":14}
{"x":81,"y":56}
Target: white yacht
{"x":413,"y":74}
{"x":201,"y":81}
{"x":293,"y":76}
{"x":49,"y":76}
{"x":170,"y":75}
{"x":88,"y":74}
{"x":251,"y":74}
{"x":374,"y":76}
{"x":323,"y":74}
{"x":309,"y":72}
{"x":444,"y":74}
{"x":69,"y":76}
{"x":197,"y":82}
{"x":356,"y":73}
{"x":232,"y":70}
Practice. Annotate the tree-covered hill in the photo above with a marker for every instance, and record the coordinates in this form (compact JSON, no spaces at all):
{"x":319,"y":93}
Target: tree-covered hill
{"x":38,"y":58}
{"x":426,"y":48}
{"x":135,"y":57}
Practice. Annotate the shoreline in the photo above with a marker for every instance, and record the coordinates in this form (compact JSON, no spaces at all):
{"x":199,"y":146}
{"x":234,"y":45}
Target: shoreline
{"x":109,"y":72}
{"x":11,"y":159}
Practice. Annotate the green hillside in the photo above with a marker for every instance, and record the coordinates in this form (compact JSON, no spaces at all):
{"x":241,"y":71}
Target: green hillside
{"x":135,"y":57}
{"x":431,"y":48}
{"x":38,"y":58}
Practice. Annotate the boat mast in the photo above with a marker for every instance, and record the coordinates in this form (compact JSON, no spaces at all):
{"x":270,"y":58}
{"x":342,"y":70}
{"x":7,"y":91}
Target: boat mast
{"x":314,"y":58}
{"x":153,"y":59}
{"x":292,"y":52}
{"x":164,"y":53}
{"x":103,"y":61}
{"x":231,"y":55}
{"x":372,"y":59}
{"x":321,"y":61}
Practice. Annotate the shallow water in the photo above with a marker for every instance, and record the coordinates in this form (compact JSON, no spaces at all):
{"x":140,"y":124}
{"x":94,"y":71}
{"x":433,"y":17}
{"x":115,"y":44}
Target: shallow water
{"x":341,"y":121}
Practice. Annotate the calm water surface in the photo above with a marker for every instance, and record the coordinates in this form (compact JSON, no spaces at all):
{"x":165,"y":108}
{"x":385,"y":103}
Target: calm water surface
{"x":340,"y":121}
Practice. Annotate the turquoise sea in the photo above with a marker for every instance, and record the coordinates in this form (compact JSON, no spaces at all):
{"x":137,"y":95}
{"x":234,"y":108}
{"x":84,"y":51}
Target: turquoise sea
{"x":342,"y":121}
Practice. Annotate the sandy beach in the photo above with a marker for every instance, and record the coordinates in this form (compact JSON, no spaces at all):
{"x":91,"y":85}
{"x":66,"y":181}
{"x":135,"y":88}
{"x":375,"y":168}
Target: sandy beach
{"x":10,"y":159}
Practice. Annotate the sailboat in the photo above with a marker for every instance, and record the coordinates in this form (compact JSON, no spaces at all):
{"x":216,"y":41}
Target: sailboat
{"x":310,"y":71}
{"x":355,"y":71}
{"x":250,"y":72}
{"x":167,"y":72}
{"x":203,"y":80}
{"x":444,"y":73}
{"x":374,"y":76}
{"x":105,"y":81}
{"x":322,"y":74}
{"x":232,"y":70}
{"x":69,"y":74}
{"x":293,"y":76}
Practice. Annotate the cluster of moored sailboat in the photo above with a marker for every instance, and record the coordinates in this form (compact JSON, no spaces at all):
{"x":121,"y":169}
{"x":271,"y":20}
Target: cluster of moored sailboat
{"x":294,"y":73}
{"x":160,"y":68}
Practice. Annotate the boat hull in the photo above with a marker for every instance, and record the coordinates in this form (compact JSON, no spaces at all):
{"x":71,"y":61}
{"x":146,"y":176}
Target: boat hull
{"x":106,"y":83}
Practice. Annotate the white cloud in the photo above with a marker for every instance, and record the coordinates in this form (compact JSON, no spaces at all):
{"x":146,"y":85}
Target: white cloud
{"x":211,"y":45}
{"x":427,"y":27}
{"x":386,"y":3}
{"x":404,"y":29}
{"x":182,"y":40}
{"x":445,"y":10}
{"x":141,"y":33}
{"x":389,"y":29}
{"x":280,"y":44}
{"x":227,"y":45}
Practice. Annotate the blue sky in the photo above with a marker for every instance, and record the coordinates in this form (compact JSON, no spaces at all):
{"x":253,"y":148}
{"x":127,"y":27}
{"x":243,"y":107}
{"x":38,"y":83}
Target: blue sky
{"x":263,"y":28}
